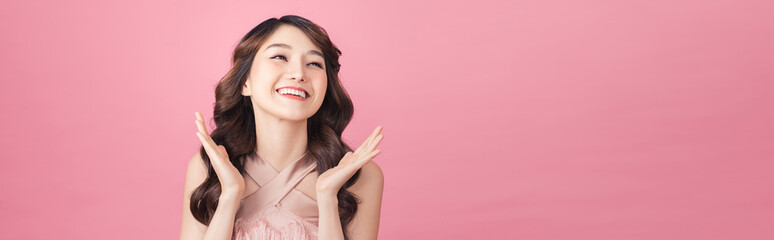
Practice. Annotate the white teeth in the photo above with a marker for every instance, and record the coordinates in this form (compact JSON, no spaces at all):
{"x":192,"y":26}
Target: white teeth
{"x":292,"y":91}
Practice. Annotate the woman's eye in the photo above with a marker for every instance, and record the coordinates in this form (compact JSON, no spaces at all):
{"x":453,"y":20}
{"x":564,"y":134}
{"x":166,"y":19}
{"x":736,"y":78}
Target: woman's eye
{"x":284,"y":58}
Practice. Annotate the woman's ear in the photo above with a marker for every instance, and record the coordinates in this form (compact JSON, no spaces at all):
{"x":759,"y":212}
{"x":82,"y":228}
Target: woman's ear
{"x":246,"y":88}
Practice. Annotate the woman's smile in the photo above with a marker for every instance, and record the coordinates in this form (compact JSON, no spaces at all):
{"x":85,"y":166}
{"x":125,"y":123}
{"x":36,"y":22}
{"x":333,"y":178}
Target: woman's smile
{"x":293,"y":93}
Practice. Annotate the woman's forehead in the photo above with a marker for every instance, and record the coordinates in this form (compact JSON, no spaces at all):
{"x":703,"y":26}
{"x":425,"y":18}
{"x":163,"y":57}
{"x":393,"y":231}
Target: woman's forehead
{"x":290,"y":37}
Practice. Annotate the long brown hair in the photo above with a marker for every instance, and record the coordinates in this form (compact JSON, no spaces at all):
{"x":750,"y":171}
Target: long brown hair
{"x":235,"y":122}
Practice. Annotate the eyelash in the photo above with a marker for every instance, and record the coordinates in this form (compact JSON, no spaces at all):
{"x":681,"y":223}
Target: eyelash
{"x":318,"y":64}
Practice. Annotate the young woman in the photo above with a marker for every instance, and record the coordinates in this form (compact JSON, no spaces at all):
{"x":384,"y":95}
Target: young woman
{"x":280,"y":112}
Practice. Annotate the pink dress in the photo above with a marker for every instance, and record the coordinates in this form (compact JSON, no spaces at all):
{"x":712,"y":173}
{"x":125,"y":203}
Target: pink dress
{"x":277,"y":210}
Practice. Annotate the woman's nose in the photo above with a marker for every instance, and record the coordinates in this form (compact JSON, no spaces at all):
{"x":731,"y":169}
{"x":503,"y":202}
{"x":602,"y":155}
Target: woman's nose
{"x":296,"y":72}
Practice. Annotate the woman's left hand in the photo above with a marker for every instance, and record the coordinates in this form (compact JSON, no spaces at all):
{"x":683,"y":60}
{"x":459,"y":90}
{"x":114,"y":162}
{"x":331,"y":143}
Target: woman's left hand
{"x":329,"y":182}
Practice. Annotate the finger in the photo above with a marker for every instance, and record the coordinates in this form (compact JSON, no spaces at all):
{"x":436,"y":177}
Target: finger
{"x":374,"y":134}
{"x":216,"y":159}
{"x":367,"y":149}
{"x":363,"y":160}
{"x":199,"y":126}
{"x":374,"y":143}
{"x":203,"y":130}
{"x":369,"y":139}
{"x":207,"y":139}
{"x":360,"y":148}
{"x":200,"y":123}
{"x":374,"y":153}
{"x":208,"y":147}
{"x":207,"y":143}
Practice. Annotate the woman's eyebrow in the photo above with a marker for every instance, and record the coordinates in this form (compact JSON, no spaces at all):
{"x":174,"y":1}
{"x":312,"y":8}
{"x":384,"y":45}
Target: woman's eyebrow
{"x":282,"y":45}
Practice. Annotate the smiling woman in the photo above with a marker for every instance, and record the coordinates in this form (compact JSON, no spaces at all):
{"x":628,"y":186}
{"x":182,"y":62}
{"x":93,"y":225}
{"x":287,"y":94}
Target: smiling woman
{"x":275,"y":166}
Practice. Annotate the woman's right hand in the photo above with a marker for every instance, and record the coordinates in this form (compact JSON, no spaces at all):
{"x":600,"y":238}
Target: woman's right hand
{"x":231,"y":182}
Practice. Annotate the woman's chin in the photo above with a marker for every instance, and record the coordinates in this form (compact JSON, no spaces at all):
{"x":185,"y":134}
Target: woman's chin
{"x":295,"y":116}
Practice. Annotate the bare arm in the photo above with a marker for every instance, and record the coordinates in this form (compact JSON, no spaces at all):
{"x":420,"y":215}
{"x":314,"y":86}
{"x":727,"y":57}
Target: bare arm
{"x":369,"y":188}
{"x":329,"y":223}
{"x":232,"y":186}
{"x":365,"y":224}
{"x":222,"y":223}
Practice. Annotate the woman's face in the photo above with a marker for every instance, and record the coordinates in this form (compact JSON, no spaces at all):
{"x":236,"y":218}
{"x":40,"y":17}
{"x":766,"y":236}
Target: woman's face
{"x":287,"y":60}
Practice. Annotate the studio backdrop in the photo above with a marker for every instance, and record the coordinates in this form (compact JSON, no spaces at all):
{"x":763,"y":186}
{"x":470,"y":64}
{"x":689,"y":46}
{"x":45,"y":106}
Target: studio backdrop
{"x":502,"y":119}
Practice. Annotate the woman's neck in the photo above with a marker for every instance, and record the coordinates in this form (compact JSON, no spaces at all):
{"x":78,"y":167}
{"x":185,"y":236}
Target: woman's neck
{"x":280,"y":142}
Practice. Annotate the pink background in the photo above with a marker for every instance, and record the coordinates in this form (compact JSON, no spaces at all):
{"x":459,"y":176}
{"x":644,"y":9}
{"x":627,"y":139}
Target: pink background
{"x":502,"y":119}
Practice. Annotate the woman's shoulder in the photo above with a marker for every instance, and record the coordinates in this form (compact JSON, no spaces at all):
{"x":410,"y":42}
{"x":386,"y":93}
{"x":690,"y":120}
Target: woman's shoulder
{"x":196,"y":174}
{"x":372,"y":171}
{"x":371,"y":180}
{"x":196,"y":164}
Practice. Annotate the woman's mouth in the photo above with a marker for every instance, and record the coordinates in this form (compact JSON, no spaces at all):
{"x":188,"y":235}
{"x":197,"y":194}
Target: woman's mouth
{"x":293,"y":93}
